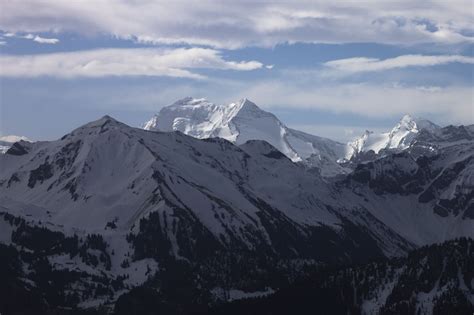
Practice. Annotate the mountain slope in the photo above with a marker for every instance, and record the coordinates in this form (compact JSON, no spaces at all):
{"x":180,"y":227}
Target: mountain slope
{"x":242,"y":121}
{"x":136,"y":205}
{"x":107,"y":208}
{"x":127,"y":173}
{"x":437,"y":279}
{"x":430,"y":186}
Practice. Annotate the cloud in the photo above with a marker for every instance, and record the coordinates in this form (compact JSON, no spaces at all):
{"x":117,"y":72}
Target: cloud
{"x":289,"y":96}
{"x":35,"y":38}
{"x":372,"y":100}
{"x":452,"y":103}
{"x":362,"y":64}
{"x":43,"y":40}
{"x":239,"y":24}
{"x":341,"y":133}
{"x":121,"y":62}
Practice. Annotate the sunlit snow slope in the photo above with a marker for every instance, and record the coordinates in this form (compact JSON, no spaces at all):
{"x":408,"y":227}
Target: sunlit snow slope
{"x":399,"y":138}
{"x":242,"y":121}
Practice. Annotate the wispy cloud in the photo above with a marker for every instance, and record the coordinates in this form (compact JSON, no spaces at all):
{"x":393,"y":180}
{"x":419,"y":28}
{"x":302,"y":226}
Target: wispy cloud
{"x":236,"y":24}
{"x":35,"y":38}
{"x":121,"y":62}
{"x":362,"y":64}
{"x":452,"y":103}
{"x":43,"y":40}
{"x":342,"y":133}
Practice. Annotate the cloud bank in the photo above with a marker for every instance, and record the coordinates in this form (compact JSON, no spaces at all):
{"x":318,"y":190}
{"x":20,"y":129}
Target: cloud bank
{"x":452,"y":103}
{"x":237,"y":24}
{"x":121,"y":62}
{"x":362,"y":64}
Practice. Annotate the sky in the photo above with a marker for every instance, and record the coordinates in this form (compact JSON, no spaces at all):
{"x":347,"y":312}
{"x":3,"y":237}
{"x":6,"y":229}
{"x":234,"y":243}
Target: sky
{"x":331,"y":68}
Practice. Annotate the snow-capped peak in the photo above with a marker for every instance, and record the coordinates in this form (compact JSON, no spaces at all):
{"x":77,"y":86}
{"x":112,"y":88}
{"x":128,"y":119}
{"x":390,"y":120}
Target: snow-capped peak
{"x":150,"y":124}
{"x":242,"y":121}
{"x":105,"y":121}
{"x":407,"y":123}
{"x":248,"y":105}
{"x":245,"y":107}
{"x":412,"y":124}
{"x":399,"y":138}
{"x":200,"y":118}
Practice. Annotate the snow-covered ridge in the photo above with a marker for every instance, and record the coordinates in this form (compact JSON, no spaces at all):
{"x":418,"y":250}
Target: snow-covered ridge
{"x":110,"y":166}
{"x":243,"y":120}
{"x":153,"y":196}
{"x":399,"y":138}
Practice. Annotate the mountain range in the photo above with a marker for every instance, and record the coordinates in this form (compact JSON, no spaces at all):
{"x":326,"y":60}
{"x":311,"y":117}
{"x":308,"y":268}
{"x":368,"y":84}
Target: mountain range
{"x":210,"y":203}
{"x":243,"y":120}
{"x":401,"y":137}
